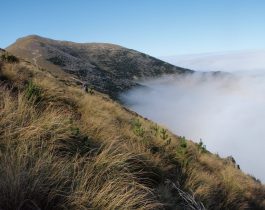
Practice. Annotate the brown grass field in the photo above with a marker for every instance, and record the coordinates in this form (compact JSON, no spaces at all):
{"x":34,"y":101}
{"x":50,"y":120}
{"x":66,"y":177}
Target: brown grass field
{"x":62,"y":148}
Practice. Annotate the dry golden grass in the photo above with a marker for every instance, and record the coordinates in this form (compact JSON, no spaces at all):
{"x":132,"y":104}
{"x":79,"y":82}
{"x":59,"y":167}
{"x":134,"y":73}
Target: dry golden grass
{"x":223,"y":184}
{"x":29,"y":169}
{"x":38,"y":169}
{"x":73,"y":150}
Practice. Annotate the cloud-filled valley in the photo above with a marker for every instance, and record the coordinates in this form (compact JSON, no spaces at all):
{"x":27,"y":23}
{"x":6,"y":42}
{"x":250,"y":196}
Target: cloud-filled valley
{"x":226,"y":111}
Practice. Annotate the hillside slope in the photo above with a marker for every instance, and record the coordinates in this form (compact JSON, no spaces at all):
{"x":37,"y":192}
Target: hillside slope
{"x":107,"y":67}
{"x":62,"y":148}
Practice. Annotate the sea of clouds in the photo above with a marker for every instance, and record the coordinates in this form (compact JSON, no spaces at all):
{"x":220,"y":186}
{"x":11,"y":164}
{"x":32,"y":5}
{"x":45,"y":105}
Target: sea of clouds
{"x":226,"y":111}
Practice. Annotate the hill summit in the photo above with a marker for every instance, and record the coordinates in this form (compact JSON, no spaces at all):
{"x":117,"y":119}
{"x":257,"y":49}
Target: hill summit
{"x":108,"y":68}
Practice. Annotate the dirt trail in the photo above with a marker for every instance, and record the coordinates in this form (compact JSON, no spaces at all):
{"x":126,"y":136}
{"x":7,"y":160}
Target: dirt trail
{"x":37,"y":55}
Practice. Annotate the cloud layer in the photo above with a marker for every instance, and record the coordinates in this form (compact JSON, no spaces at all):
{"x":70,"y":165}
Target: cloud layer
{"x":226,"y":111}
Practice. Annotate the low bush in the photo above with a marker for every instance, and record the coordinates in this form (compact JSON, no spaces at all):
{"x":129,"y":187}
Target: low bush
{"x":9,"y":58}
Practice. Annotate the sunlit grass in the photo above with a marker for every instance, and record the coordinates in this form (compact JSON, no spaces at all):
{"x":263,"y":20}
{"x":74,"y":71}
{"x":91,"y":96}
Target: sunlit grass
{"x":75,"y":150}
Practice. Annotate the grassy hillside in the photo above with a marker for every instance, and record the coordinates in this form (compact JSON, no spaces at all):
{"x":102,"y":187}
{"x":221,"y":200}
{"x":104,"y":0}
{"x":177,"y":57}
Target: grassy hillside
{"x":108,"y":68}
{"x":62,"y":148}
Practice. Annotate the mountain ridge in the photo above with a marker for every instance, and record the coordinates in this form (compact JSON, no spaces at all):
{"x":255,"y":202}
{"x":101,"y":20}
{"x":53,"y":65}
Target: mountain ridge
{"x":108,"y":68}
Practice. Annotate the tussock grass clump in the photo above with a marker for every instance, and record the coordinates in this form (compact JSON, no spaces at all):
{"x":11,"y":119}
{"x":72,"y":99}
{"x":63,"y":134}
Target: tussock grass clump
{"x":112,"y":181}
{"x":40,"y":169}
{"x":33,"y":92}
{"x":31,"y":174}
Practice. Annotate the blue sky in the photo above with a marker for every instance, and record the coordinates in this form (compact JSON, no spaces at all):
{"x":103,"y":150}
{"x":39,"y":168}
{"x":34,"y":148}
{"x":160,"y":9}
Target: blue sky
{"x":156,"y":27}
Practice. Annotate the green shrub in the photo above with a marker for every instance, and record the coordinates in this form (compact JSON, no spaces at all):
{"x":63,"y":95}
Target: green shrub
{"x":9,"y":58}
{"x":182,"y":148}
{"x":183,"y":154}
{"x":154,"y":130}
{"x":163,"y":134}
{"x":137,"y":128}
{"x":165,"y":137}
{"x":201,"y":147}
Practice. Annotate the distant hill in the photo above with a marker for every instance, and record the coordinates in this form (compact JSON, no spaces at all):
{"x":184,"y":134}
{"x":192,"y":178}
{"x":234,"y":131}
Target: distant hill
{"x":108,"y":68}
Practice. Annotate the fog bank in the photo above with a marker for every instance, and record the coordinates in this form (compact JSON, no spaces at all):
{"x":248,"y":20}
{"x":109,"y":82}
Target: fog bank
{"x":227,"y":112}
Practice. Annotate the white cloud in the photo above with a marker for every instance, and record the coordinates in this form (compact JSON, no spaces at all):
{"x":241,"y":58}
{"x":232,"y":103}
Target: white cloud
{"x":231,"y":61}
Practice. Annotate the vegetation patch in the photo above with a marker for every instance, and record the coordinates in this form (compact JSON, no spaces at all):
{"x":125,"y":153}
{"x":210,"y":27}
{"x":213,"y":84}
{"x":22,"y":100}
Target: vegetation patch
{"x":6,"y":57}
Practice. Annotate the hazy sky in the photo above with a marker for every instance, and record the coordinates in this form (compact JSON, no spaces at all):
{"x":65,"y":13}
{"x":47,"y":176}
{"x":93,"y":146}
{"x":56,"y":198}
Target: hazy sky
{"x":156,"y":27}
{"x":235,"y":61}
